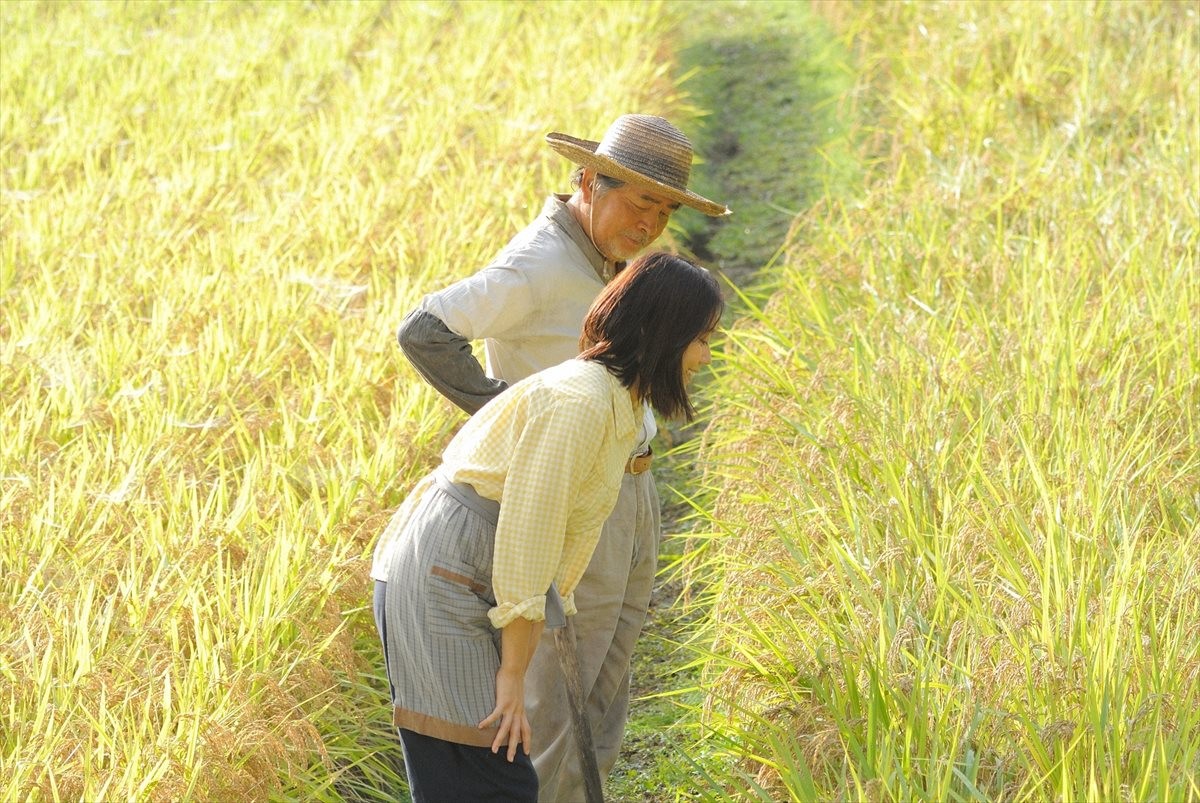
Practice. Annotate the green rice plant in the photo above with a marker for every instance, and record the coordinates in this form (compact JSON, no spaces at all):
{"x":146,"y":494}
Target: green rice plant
{"x":954,"y":465}
{"x":212,"y":217}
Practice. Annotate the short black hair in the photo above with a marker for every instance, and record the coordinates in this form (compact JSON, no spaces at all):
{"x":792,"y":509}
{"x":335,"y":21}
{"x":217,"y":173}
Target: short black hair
{"x":644,"y":320}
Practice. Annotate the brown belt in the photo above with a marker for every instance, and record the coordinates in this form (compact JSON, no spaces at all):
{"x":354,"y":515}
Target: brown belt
{"x":639,"y":463}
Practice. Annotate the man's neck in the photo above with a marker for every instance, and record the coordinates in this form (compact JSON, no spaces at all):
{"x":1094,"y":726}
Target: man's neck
{"x":578,"y":209}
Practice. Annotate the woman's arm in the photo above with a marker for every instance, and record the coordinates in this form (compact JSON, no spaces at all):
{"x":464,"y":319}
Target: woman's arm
{"x":518,"y":640}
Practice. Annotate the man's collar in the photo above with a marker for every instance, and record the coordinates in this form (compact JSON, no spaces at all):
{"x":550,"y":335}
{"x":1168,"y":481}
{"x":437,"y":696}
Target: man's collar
{"x":557,"y":210}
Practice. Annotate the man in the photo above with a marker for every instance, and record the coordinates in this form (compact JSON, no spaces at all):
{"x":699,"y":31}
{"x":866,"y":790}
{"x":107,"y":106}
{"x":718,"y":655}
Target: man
{"x":528,"y":306}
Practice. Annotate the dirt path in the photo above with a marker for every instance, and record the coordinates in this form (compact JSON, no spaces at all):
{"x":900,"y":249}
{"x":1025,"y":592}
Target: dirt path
{"x":764,"y":71}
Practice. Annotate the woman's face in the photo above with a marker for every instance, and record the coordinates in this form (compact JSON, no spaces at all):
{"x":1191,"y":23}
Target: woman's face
{"x":697,"y":354}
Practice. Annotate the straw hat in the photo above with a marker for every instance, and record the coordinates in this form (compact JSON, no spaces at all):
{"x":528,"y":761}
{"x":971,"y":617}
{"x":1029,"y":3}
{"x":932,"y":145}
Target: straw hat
{"x":642,"y":149}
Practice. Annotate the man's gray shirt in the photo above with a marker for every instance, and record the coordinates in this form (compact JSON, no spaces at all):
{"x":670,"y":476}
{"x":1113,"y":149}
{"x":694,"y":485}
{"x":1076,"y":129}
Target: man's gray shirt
{"x":527,"y":306}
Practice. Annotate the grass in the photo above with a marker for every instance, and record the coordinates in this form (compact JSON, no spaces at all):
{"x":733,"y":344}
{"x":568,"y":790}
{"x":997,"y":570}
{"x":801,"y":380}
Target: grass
{"x":772,"y":81}
{"x":967,"y":569}
{"x":214,"y":216}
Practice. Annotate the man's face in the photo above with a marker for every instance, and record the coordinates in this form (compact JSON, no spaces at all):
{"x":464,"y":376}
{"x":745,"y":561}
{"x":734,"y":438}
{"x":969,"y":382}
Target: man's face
{"x":627,"y":219}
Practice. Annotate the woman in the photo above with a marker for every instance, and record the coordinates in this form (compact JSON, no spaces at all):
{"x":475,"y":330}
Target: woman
{"x":490,"y":546}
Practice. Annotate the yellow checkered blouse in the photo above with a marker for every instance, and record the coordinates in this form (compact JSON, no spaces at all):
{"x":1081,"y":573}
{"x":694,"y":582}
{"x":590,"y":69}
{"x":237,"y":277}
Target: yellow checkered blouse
{"x":551,"y":450}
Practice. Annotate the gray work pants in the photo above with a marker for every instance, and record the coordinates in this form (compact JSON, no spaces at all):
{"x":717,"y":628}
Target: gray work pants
{"x":611,"y":600}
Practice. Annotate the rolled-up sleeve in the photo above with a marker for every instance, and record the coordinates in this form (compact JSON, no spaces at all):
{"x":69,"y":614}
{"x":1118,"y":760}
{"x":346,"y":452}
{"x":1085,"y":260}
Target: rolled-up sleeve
{"x":552,"y":452}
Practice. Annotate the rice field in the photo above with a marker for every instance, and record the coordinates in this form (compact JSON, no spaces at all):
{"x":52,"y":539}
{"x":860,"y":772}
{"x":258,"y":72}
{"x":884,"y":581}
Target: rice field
{"x":967,"y":568}
{"x":213,"y":217}
{"x":947,"y":486}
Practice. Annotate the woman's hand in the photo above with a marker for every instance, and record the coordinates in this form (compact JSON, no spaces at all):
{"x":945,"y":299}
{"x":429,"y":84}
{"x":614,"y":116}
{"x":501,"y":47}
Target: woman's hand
{"x":518,"y":640}
{"x":509,"y":714}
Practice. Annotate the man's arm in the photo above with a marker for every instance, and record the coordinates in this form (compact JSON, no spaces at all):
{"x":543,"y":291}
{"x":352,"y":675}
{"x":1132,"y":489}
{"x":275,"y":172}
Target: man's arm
{"x":446,"y":361}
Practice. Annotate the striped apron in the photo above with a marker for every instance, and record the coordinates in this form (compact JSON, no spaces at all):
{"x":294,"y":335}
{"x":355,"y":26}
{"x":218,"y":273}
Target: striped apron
{"x":441,"y":649}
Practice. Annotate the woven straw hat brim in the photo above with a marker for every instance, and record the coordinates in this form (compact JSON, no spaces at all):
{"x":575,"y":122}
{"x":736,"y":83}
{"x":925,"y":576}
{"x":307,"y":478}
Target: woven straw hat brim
{"x":583,"y":152}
